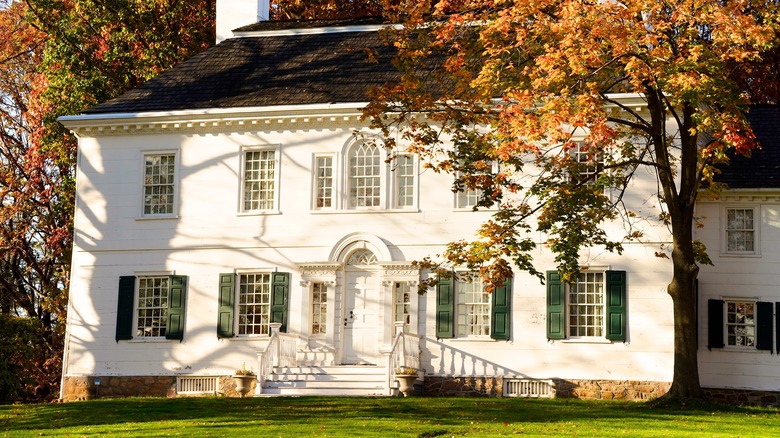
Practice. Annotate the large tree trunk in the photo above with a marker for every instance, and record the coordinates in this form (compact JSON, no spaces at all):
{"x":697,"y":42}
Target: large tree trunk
{"x":682,"y":289}
{"x":681,"y":201}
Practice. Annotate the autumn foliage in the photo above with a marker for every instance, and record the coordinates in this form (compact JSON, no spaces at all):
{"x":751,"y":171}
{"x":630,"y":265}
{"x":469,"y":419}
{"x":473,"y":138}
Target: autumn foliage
{"x":60,"y":57}
{"x":550,"y":79}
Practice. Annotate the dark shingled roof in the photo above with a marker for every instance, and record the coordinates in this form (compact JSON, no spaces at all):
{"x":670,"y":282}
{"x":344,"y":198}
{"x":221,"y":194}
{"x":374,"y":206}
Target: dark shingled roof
{"x":331,"y":67}
{"x":762,"y":169}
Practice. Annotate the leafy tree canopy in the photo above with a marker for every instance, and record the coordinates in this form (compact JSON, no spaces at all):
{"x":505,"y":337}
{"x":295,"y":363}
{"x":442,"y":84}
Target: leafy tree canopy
{"x":550,"y":79}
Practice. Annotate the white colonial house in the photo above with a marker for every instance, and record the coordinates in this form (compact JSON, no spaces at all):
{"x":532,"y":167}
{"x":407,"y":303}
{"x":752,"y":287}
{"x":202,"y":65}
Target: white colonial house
{"x":231,"y":214}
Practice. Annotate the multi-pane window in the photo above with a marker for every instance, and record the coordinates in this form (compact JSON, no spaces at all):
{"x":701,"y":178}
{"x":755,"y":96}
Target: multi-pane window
{"x":323,"y":182}
{"x":159,"y":184}
{"x":402,"y":305}
{"x":740,"y":323}
{"x":152,"y":307}
{"x":259,"y":180}
{"x":589,"y":164}
{"x":467,"y":198}
{"x":404,"y":181}
{"x":365,"y":182}
{"x":319,"y":308}
{"x":586,"y":305}
{"x":254,"y":304}
{"x":472,"y":305}
{"x":740,"y":230}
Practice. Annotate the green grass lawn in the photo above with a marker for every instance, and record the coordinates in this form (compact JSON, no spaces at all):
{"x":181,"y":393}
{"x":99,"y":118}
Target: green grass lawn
{"x":382,"y":417}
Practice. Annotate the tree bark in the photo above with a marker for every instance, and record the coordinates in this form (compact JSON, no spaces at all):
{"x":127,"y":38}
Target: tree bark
{"x":681,"y":202}
{"x":682,"y":289}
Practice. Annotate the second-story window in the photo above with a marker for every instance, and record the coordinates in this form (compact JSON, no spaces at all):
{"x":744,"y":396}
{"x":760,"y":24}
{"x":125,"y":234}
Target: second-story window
{"x":365,"y":179}
{"x":159,"y":184}
{"x":259,"y":180}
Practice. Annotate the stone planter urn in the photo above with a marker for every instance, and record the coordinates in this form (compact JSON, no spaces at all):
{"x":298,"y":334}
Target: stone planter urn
{"x":406,"y":383}
{"x":243,"y":383}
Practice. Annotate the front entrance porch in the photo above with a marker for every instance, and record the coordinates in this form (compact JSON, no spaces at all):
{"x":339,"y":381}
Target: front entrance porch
{"x":282,"y":369}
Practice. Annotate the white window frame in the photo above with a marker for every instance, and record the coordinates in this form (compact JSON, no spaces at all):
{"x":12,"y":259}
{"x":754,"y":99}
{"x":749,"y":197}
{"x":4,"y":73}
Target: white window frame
{"x":462,"y":200}
{"x":276,"y":180}
{"x":176,"y":183}
{"x":724,"y":230}
{"x":237,"y":305}
{"x":334,"y":179}
{"x":402,"y":289}
{"x":348,"y":179}
{"x":323,"y":306}
{"x":136,"y":297}
{"x":600,"y":327}
{"x":593,"y":168}
{"x":460,"y":323}
{"x":396,"y":182}
{"x":728,"y":324}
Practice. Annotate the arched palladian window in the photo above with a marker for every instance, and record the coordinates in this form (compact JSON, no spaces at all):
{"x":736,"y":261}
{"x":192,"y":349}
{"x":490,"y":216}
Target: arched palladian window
{"x":365,"y":176}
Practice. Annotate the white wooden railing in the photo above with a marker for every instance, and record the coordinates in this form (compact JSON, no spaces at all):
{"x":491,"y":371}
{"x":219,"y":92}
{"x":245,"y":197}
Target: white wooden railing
{"x":405,"y":352}
{"x":281,"y":351}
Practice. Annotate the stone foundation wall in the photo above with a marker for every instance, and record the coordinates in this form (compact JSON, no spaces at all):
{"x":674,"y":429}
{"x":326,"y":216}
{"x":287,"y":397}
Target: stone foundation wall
{"x":743,"y":397}
{"x":437,"y":386}
{"x":84,"y":388}
{"x":633,"y":390}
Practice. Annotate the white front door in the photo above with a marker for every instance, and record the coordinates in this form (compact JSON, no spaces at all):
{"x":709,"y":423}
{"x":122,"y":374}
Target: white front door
{"x":361,"y":315}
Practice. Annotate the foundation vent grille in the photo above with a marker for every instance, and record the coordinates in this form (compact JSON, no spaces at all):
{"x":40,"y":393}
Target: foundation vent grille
{"x":530,"y":388}
{"x":197,"y":385}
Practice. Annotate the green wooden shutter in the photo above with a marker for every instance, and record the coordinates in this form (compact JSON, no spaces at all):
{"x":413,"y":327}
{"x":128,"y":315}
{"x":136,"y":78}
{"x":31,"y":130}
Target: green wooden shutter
{"x":616,"y":305}
{"x":777,"y":327}
{"x":556,"y":306}
{"x":445,"y":308}
{"x":124,"y":311}
{"x":279,"y":298}
{"x":715,"y":324}
{"x":501,"y":312}
{"x":177,"y":298}
{"x":763,"y":326}
{"x":227,"y":309}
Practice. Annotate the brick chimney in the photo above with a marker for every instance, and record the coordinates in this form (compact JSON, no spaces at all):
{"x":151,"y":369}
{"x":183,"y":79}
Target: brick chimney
{"x":232,"y":14}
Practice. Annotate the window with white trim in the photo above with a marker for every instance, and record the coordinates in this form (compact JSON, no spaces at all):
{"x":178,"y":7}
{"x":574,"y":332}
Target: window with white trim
{"x":404,"y":178}
{"x":468,"y":198}
{"x":740,"y":230}
{"x":319,"y":308}
{"x":152,"y":307}
{"x":402,"y":309}
{"x":324,"y":189}
{"x":741,"y":323}
{"x":586,"y":305}
{"x":364,"y":182}
{"x":589,"y":164}
{"x":254,"y":304}
{"x":159,"y":184}
{"x":472,"y":307}
{"x":592,"y":306}
{"x":259,"y":180}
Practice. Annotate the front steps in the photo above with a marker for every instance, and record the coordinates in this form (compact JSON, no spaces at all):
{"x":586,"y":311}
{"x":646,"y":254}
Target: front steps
{"x":344,"y":380}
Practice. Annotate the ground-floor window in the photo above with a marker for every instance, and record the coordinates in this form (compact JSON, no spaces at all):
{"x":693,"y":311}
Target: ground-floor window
{"x":403,"y":301}
{"x":319,"y":308}
{"x":586,"y":305}
{"x":472,"y":304}
{"x":254,"y":304}
{"x":152,"y":307}
{"x":740,"y":323}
